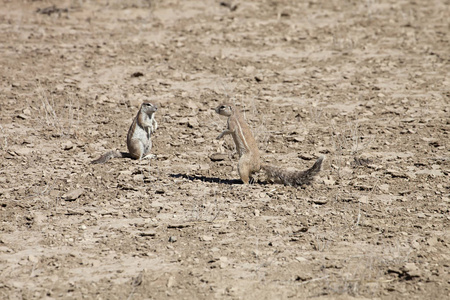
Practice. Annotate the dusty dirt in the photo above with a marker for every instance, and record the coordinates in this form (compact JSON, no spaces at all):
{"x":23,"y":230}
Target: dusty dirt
{"x":366,"y":83}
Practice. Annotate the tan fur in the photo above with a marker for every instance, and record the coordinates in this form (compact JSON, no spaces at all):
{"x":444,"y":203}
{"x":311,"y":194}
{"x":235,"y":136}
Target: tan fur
{"x":246,"y":146}
{"x":249,"y":159}
{"x":139,"y":141}
{"x":293,"y":178}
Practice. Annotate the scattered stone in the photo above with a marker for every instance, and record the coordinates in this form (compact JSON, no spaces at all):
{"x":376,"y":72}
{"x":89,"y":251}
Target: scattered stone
{"x":432,"y":241}
{"x":5,"y":249}
{"x":370,"y":104}
{"x":172,"y":239}
{"x":329,"y":180}
{"x":320,"y":201}
{"x":249,"y":70}
{"x":73,"y":212}
{"x":394,"y":270}
{"x":33,"y":259}
{"x":295,"y":138}
{"x":229,"y":5}
{"x":23,"y":116}
{"x":301,"y":259}
{"x":24,"y":151}
{"x":10,"y":154}
{"x":178,"y":226}
{"x":396,"y":173}
{"x":223,"y":262}
{"x":375,"y":167}
{"x":67,"y":145}
{"x":160,"y":191}
{"x":363,"y":187}
{"x":137,"y":74}
{"x":410,"y":270}
{"x":432,"y":141}
{"x":183,"y":121}
{"x":323,"y":150}
{"x":190,"y":104}
{"x":148,"y":233}
{"x":218,"y":156}
{"x":199,"y":141}
{"x":126,"y":186}
{"x":408,"y":120}
{"x":51,"y":10}
{"x":411,"y":175}
{"x":206,"y":238}
{"x":176,"y":143}
{"x":171,"y":282}
{"x":432,"y":172}
{"x":73,"y":195}
{"x":193,"y":123}
{"x":204,"y":167}
{"x":303,"y":277}
{"x":364,"y":199}
{"x":69,"y":81}
{"x":306,"y":156}
{"x":139,"y":177}
{"x":259,"y":78}
{"x":361,"y":162}
{"x":384,"y":187}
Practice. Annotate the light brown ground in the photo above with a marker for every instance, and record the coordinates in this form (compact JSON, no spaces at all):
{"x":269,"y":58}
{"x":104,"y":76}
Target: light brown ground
{"x":364,"y":82}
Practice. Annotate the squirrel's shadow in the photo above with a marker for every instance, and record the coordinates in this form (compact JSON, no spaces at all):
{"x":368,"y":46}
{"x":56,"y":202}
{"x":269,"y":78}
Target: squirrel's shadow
{"x":214,"y":179}
{"x":207,"y":179}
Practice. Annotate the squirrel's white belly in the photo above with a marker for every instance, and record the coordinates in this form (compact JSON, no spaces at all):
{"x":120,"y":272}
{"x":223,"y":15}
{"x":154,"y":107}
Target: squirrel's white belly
{"x":142,"y":135}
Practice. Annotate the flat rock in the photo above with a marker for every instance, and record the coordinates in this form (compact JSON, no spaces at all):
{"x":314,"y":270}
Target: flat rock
{"x":411,"y":270}
{"x":73,"y":195}
{"x":206,"y":238}
{"x":24,"y":151}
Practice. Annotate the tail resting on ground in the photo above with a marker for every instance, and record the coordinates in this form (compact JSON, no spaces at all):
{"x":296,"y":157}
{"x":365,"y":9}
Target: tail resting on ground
{"x":293,"y":178}
{"x":111,"y":154}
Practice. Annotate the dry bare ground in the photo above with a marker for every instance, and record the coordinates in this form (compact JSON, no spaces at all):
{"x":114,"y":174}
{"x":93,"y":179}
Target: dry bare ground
{"x":366,"y":83}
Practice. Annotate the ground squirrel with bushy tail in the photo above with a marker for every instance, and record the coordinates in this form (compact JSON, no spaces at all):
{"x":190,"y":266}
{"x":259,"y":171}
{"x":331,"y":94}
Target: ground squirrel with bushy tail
{"x":249,"y":159}
{"x":139,"y":140}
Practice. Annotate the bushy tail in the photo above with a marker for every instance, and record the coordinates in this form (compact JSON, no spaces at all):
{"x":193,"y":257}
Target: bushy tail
{"x":293,"y":178}
{"x":108,"y":155}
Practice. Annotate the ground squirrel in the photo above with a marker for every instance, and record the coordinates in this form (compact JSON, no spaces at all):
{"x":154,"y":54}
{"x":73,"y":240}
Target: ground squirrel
{"x":139,"y":141}
{"x":249,"y":159}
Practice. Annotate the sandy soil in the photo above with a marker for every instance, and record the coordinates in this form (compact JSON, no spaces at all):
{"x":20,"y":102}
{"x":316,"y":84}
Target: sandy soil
{"x":366,"y":83}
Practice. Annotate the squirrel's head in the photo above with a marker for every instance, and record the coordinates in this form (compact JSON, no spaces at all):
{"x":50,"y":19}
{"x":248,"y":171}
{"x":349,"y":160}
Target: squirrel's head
{"x":148,"y":107}
{"x":224,"y":110}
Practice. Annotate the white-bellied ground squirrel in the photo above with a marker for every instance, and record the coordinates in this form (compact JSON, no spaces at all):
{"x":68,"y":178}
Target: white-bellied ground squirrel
{"x":249,"y":159}
{"x":139,"y":140}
